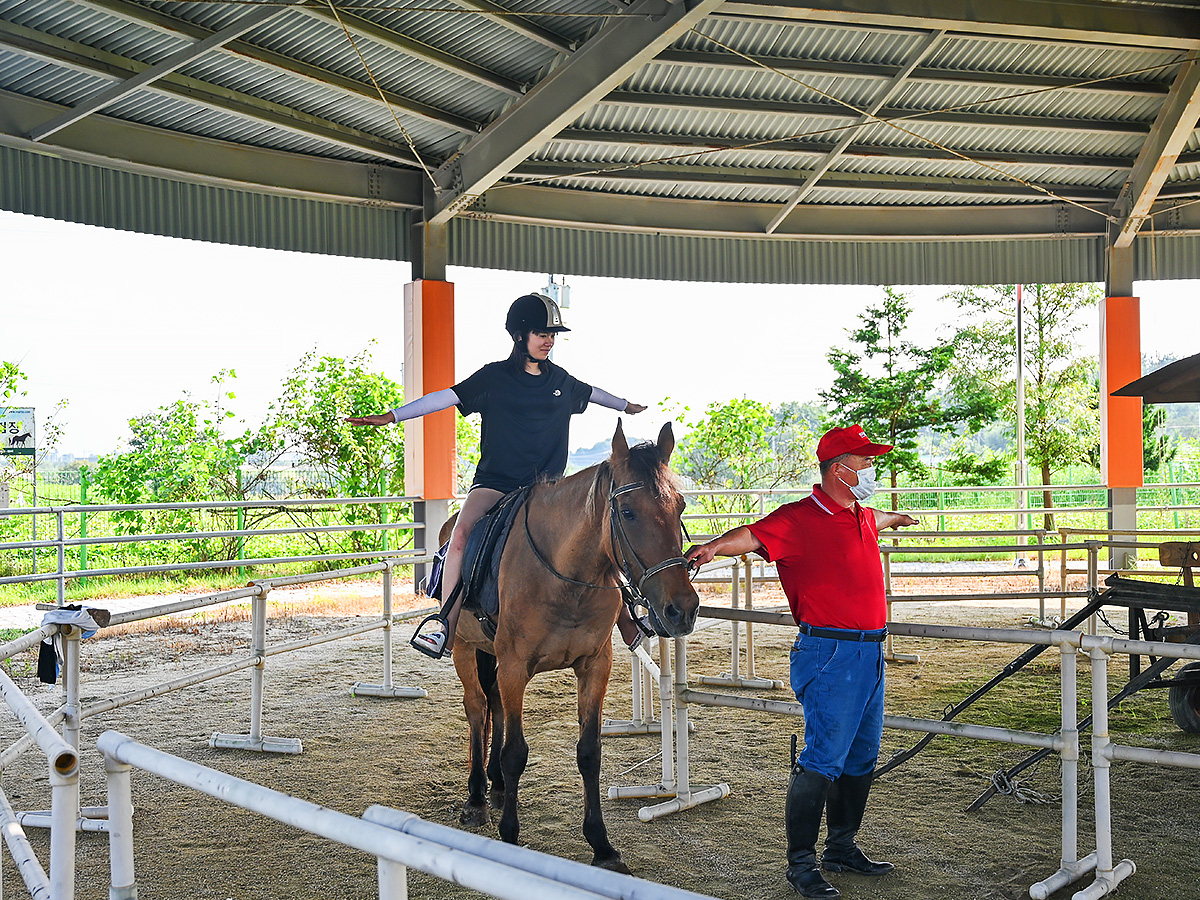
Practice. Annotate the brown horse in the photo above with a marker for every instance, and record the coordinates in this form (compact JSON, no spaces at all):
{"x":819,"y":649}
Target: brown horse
{"x":571,"y":548}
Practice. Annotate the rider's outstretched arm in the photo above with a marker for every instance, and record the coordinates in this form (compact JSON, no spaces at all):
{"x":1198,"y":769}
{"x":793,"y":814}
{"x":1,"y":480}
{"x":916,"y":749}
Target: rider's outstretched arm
{"x":602,"y":397}
{"x":422,"y":406}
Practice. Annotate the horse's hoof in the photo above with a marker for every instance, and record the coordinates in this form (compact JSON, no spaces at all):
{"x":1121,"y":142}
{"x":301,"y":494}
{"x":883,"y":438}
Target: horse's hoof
{"x":613,"y":864}
{"x":475,"y":816}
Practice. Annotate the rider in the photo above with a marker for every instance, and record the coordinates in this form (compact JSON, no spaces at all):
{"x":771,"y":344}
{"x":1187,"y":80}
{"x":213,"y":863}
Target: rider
{"x":525,"y":403}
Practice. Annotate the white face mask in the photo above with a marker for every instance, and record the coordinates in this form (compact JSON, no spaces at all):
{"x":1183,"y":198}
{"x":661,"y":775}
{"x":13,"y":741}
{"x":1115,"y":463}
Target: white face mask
{"x":866,"y":487}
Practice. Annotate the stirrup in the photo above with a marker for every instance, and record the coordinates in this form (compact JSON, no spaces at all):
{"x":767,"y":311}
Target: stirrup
{"x":433,"y":644}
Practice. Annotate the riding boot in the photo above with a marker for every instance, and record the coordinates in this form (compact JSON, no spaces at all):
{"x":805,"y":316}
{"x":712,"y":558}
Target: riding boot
{"x":847,"y":803}
{"x":802,"y":815}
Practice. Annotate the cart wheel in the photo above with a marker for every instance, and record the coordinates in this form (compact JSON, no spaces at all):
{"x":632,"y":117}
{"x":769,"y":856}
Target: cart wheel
{"x":1185,"y":700}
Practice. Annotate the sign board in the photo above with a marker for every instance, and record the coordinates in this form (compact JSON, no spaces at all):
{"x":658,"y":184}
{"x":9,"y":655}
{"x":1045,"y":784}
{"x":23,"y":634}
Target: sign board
{"x":18,"y":436}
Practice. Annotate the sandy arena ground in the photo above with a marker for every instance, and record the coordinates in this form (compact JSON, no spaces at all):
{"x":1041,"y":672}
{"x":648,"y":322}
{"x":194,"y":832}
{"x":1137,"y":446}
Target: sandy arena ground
{"x":411,"y":754}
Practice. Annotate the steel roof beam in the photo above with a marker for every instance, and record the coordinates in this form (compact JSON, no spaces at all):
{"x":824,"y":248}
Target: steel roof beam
{"x":541,"y":205}
{"x":418,"y":50}
{"x":839,"y":69}
{"x":165,"y":24}
{"x":922,"y":50}
{"x":1171,"y":130}
{"x":1133,"y":25}
{"x":696,"y":145}
{"x":111,"y":95}
{"x":901,"y":116}
{"x":519,"y":24}
{"x":621,"y":47}
{"x":82,"y":58}
{"x":749,"y":176}
{"x":126,"y":146}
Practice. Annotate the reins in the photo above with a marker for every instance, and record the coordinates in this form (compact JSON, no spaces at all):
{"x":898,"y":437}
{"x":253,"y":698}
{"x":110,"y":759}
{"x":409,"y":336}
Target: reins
{"x":631,"y":593}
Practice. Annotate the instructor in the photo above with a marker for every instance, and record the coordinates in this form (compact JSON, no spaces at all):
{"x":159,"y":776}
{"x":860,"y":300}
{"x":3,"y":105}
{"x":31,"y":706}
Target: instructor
{"x":826,"y":550}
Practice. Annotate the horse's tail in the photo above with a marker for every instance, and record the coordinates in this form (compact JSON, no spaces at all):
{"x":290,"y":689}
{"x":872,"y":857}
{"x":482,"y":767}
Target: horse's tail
{"x":486,"y":665}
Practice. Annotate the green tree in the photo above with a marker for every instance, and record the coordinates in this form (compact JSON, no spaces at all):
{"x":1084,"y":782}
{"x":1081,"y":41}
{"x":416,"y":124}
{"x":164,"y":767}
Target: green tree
{"x":18,"y":471}
{"x":1061,"y":419}
{"x":743,"y":445}
{"x":895,"y":387}
{"x":179,"y":453}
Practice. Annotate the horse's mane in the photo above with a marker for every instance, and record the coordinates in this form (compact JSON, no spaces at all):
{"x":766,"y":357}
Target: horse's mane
{"x":647,"y":468}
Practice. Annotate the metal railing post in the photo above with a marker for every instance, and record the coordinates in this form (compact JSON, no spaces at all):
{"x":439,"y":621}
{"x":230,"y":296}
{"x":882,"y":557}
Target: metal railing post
{"x":61,"y":557}
{"x":83,"y":523}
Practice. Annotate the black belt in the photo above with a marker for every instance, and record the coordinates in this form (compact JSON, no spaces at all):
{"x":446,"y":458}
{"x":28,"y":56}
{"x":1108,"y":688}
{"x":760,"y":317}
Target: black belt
{"x":839,"y":634}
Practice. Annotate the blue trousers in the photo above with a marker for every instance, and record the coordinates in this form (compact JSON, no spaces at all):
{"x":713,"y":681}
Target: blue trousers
{"x":840,"y":685}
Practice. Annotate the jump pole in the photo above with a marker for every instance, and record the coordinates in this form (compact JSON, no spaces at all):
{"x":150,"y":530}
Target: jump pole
{"x":1072,"y":868}
{"x":666,"y":787}
{"x":685,"y":797}
{"x":386,"y":689}
{"x":258,"y":648}
{"x":642,"y":720}
{"x":734,"y":678}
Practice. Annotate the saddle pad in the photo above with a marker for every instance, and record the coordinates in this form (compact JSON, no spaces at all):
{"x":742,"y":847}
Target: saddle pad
{"x":485,"y":545}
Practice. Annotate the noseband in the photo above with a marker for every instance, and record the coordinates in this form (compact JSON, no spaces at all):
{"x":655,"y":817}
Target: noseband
{"x":622,"y":549}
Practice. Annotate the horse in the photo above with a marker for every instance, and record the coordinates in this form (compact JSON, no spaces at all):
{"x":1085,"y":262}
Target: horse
{"x":21,"y":439}
{"x":576,"y":547}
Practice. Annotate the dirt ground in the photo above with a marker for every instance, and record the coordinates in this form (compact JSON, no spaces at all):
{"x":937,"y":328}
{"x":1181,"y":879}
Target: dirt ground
{"x":411,"y":754}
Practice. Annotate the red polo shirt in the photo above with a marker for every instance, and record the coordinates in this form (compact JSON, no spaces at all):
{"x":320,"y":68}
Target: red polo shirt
{"x":828,"y":561}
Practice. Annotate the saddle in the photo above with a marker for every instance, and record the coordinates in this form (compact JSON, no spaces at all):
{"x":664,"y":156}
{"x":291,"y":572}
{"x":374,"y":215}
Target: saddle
{"x":480,"y":579}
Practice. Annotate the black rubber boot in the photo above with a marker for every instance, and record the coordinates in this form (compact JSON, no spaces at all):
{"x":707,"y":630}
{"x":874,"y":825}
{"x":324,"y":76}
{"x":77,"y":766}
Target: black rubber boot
{"x":847,"y":803}
{"x":802,"y":815}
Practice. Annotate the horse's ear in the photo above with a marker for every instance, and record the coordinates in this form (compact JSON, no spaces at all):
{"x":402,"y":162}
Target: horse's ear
{"x":620,"y":447}
{"x":666,"y":443}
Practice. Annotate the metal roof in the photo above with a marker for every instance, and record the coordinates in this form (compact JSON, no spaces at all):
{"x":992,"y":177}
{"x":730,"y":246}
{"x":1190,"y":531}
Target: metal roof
{"x":904,"y":141}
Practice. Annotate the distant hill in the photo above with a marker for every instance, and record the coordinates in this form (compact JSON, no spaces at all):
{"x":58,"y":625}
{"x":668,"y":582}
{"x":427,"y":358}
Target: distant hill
{"x":582,"y":457}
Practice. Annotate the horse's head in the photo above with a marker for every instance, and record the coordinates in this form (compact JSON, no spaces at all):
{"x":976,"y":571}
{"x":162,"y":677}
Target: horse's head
{"x":645,"y":509}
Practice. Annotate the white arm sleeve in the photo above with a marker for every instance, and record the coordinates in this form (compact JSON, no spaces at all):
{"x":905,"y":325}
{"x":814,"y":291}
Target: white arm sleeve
{"x":604,"y":398}
{"x":423,"y":406}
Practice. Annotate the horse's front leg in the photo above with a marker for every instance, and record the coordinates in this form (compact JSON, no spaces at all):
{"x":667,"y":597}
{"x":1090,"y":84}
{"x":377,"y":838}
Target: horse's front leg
{"x":475,"y":701}
{"x":515,"y":753}
{"x":592,"y":676}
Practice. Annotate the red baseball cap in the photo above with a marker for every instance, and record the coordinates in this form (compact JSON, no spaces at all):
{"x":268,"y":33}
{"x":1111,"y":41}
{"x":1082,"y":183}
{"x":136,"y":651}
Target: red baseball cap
{"x":851,"y":439}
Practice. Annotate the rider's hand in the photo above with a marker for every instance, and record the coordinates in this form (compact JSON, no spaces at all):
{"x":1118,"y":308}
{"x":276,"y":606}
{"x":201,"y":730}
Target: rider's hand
{"x":381,"y":419}
{"x":634,"y":408}
{"x":699,"y":554}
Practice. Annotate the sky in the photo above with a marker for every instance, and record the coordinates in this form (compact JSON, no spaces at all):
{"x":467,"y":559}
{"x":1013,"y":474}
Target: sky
{"x":119,"y":324}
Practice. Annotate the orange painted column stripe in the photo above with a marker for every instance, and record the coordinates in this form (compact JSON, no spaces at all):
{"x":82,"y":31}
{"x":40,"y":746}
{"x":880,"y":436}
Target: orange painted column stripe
{"x":1120,"y":417}
{"x":430,"y":461}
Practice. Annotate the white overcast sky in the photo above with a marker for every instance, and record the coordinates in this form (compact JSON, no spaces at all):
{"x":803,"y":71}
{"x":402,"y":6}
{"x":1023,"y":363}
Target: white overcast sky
{"x":119,"y":324}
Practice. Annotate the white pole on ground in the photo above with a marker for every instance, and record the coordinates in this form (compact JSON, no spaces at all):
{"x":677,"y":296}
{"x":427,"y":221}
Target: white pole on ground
{"x":393,"y":879}
{"x":64,"y":813}
{"x":734,"y":677}
{"x":1072,"y":867}
{"x":666,"y":787}
{"x":258,"y":648}
{"x":123,"y":882}
{"x":24,"y":858}
{"x":685,"y":797}
{"x":386,"y":689}
{"x":1108,"y":876}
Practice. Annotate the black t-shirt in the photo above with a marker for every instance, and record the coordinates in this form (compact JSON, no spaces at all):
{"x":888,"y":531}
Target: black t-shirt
{"x":525,"y":422}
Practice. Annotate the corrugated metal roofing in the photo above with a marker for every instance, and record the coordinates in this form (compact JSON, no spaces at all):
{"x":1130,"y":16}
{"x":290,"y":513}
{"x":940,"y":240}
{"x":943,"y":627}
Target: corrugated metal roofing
{"x":671,"y":149}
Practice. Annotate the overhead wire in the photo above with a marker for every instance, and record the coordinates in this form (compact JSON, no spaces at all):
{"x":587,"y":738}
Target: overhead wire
{"x":370,"y":74}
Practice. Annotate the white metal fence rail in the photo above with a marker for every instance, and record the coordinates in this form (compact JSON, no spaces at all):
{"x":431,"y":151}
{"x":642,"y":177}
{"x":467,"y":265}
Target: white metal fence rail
{"x":397,"y":839}
{"x":677,"y":792}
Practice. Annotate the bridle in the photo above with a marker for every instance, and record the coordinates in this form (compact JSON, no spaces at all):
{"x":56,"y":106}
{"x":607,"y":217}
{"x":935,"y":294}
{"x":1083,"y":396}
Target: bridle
{"x":622,"y":550}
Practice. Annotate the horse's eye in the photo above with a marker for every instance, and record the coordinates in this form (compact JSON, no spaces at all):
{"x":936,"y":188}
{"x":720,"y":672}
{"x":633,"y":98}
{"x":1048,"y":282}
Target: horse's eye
{"x":629,"y":514}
